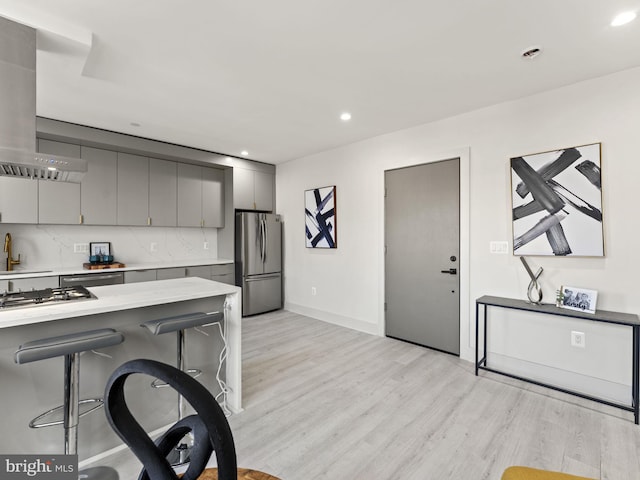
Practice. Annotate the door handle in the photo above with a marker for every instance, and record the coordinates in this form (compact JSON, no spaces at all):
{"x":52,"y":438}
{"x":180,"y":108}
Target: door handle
{"x":451,"y":271}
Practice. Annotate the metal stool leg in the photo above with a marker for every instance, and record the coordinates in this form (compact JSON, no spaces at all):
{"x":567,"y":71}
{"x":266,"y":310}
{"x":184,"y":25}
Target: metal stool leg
{"x":71,"y":402}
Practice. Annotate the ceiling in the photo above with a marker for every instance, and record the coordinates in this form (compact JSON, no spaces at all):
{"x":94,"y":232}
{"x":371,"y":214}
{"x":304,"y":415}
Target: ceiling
{"x":273,"y":77}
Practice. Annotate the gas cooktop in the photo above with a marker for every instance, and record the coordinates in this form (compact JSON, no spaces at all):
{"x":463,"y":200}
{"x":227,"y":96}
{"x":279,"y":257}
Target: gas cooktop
{"x":46,"y":296}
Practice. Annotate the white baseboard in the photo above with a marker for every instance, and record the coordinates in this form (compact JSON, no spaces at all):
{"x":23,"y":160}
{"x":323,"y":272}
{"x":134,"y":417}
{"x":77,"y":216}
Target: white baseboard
{"x":333,"y":318}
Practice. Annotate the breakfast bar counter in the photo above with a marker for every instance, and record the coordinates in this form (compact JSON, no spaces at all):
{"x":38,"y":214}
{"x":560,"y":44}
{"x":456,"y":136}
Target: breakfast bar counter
{"x":27,"y":390}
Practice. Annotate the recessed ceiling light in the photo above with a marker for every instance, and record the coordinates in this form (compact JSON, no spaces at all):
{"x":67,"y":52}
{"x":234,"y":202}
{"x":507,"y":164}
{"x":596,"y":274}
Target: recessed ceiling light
{"x":244,"y":153}
{"x":345,"y":117}
{"x":134,"y":124}
{"x":623,"y":18}
{"x":531,"y":53}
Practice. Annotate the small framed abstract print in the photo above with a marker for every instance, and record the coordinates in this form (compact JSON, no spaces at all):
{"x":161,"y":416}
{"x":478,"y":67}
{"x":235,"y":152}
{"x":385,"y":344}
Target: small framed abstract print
{"x":320,"y":217}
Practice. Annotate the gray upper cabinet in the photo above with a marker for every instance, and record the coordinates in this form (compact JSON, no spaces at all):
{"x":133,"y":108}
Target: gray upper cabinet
{"x":263,"y":190}
{"x":58,"y":202}
{"x":189,"y":195}
{"x":133,"y":189}
{"x":253,"y":190}
{"x":212,"y":197}
{"x":18,"y":200}
{"x":200,"y":196}
{"x":98,"y":190}
{"x":163,"y":193}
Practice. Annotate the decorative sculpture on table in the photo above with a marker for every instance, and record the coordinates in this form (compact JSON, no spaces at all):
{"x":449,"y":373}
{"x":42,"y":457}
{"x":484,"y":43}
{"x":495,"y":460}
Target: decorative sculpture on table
{"x":534,"y":292}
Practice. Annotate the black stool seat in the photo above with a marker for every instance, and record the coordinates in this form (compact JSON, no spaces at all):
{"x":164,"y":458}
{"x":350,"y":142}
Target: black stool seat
{"x":181,"y":322}
{"x":67,"y":345}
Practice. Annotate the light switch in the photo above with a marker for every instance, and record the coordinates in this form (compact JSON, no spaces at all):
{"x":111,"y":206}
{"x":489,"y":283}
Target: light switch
{"x":499,"y":247}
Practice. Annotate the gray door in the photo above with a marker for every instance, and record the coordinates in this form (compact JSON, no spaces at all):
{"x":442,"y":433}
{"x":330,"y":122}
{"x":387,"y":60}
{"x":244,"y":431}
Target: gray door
{"x":422,"y":239}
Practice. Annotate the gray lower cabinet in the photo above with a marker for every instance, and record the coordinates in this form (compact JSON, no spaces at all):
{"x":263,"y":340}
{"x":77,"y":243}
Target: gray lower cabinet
{"x":202,"y":271}
{"x":223,"y":273}
{"x":136,"y":276}
{"x":167,"y":273}
{"x":4,"y":285}
{"x":18,"y":200}
{"x":37,"y":283}
{"x":58,"y":202}
{"x":98,"y":189}
{"x":163,"y":193}
{"x":133,"y":190}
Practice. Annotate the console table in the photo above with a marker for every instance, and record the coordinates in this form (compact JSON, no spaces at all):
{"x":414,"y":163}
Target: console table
{"x":626,"y":319}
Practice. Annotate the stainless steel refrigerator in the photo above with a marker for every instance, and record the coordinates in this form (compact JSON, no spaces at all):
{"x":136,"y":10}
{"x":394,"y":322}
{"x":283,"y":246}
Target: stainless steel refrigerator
{"x":258,"y":260}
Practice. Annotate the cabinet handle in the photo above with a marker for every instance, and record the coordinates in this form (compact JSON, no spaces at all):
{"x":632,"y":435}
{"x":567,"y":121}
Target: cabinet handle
{"x":148,"y":220}
{"x":81,"y":219}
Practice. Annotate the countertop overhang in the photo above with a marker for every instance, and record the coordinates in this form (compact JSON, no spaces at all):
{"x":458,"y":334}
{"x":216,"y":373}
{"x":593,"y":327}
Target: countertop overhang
{"x":113,"y":298}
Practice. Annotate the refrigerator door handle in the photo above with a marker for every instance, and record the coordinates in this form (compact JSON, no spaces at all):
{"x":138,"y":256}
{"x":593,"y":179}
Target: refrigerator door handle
{"x":266,"y":239}
{"x":258,"y":278}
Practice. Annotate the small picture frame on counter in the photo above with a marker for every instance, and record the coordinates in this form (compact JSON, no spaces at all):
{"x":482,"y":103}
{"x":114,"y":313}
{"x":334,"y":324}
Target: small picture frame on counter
{"x":579,"y":299}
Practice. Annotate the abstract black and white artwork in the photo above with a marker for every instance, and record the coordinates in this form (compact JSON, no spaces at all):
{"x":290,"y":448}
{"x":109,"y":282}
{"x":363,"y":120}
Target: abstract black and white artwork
{"x":557,"y":203}
{"x":320,"y":217}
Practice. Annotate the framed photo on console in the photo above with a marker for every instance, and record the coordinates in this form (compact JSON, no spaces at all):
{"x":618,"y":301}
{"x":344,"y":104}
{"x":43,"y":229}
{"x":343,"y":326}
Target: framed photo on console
{"x":578,"y":299}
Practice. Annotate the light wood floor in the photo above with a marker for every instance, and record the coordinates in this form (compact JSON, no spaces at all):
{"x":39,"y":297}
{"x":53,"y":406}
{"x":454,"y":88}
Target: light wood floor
{"x":325,"y":402}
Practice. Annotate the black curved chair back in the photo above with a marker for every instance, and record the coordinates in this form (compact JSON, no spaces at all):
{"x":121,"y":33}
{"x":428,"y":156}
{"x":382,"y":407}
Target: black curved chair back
{"x":209,"y":425}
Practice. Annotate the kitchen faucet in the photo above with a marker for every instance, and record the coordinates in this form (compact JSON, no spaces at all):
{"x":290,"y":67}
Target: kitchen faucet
{"x":7,"y":248}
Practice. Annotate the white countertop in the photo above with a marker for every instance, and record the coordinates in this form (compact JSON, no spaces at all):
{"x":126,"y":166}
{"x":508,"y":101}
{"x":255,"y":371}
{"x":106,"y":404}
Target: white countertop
{"x":52,"y":272}
{"x":113,"y":298}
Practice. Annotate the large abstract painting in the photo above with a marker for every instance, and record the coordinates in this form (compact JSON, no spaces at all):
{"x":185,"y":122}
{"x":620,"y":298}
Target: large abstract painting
{"x":320,"y":217}
{"x":557,"y":203}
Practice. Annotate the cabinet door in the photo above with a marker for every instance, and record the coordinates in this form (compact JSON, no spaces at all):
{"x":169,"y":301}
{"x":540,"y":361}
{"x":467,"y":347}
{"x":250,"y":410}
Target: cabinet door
{"x":58,"y":202}
{"x":243,"y":189}
{"x":4,"y":285}
{"x":18,"y":200}
{"x":223,"y":273}
{"x":167,"y":273}
{"x":37,"y":283}
{"x":263,"y":188}
{"x":98,"y":188}
{"x":163,"y":193}
{"x":136,"y":276}
{"x":133,"y":189}
{"x":189,"y":195}
{"x":202,"y":271}
{"x":212,"y":197}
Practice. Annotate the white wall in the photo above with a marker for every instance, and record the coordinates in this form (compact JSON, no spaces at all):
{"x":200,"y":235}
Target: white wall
{"x":349,"y":280}
{"x":51,"y":246}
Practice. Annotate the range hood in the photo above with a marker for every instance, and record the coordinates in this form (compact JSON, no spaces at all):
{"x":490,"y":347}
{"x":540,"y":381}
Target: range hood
{"x":18,"y":156}
{"x":41,"y":166}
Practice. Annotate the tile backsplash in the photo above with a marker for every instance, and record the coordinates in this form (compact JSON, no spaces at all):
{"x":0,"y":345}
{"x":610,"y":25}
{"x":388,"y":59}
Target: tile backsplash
{"x":52,"y":246}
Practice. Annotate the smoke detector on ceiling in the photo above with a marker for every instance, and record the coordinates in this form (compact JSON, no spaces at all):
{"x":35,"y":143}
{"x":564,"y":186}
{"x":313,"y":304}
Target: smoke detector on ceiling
{"x":531,"y":53}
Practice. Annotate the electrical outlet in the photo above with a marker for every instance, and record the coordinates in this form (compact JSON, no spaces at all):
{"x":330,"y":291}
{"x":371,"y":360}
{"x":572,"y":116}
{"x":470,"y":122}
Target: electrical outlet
{"x":153,"y":247}
{"x":80,"y":248}
{"x":577,"y":339}
{"x":313,"y":290}
{"x":206,"y":245}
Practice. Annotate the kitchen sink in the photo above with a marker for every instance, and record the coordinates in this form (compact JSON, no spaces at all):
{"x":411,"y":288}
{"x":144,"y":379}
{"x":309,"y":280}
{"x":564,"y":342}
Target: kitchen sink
{"x":22,"y":272}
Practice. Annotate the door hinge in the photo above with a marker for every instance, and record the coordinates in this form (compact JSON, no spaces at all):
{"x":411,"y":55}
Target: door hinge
{"x":385,"y":249}
{"x":385,"y":192}
{"x":385,"y":306}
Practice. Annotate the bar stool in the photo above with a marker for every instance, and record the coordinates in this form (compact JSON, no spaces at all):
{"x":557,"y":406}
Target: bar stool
{"x":179,"y":324}
{"x":70,"y":346}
